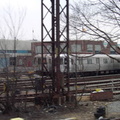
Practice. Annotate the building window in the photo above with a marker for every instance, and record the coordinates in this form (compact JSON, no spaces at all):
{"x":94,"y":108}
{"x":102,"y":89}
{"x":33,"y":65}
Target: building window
{"x":49,"y":48}
{"x":97,"y":48}
{"x":89,"y":61}
{"x":12,"y":60}
{"x":112,"y":51}
{"x":20,"y":62}
{"x":2,"y":51}
{"x":89,"y":48}
{"x":4,"y":62}
{"x":38,"y":49}
{"x":75,"y":48}
{"x":63,"y":47}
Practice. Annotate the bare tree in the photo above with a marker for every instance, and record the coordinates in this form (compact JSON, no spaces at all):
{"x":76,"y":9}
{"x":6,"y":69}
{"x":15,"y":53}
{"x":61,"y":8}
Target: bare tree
{"x":98,"y":19}
{"x":11,"y":29}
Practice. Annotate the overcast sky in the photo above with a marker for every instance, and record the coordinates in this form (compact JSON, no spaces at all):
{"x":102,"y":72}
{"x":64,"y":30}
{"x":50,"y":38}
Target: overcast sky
{"x":32,"y":20}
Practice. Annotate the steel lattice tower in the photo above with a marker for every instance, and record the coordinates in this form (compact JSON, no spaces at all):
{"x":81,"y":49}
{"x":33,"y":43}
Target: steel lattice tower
{"x":55,"y":32}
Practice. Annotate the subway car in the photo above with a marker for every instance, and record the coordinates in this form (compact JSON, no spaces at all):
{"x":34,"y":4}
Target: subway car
{"x":81,"y":64}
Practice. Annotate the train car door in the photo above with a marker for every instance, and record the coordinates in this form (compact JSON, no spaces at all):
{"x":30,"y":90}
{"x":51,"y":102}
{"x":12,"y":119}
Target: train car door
{"x":63,"y":63}
{"x":50,"y":64}
{"x":39,"y":63}
{"x":80,"y":65}
{"x":97,"y":64}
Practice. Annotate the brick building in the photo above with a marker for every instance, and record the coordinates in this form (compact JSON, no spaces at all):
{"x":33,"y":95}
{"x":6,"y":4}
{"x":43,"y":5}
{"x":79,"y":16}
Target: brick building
{"x":81,"y":47}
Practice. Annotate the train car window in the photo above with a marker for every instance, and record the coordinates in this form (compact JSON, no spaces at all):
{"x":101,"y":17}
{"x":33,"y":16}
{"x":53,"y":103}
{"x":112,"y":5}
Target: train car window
{"x":34,"y":61}
{"x":50,"y":61}
{"x":61,"y":60}
{"x":39,"y":60}
{"x":72,"y":61}
{"x":89,"y":61}
{"x":105,"y":61}
{"x":97,"y":61}
{"x":112,"y":60}
{"x":80,"y":61}
{"x":65,"y":60}
{"x":118,"y":60}
{"x":77,"y":62}
{"x":44,"y":61}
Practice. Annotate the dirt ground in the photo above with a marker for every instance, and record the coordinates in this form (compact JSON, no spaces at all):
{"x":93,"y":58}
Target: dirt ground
{"x":84,"y":111}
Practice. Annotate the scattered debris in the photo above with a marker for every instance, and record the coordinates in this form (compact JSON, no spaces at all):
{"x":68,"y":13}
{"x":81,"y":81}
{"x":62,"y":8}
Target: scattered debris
{"x":98,"y":90}
{"x":72,"y":118}
{"x":51,"y":109}
{"x":99,"y":96}
{"x":100,"y":112}
{"x":17,"y":118}
{"x":102,"y":118}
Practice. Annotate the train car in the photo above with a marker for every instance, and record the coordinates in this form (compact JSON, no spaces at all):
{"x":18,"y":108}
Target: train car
{"x":47,"y":59}
{"x":82,"y":64}
{"x":95,"y":64}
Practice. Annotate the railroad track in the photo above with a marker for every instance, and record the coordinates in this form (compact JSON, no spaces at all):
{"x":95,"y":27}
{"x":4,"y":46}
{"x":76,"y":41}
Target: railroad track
{"x":81,"y":84}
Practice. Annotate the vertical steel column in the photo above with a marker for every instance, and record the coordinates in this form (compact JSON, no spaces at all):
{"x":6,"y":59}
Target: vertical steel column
{"x":58,"y":45}
{"x":53,"y":45}
{"x":68,"y":50}
{"x":42,"y":40}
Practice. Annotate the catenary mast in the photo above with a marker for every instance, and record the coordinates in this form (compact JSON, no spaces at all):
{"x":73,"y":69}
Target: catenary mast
{"x":55,"y":32}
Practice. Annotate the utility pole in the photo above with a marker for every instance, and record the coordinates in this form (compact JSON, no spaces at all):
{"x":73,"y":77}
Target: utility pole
{"x":14,"y":57}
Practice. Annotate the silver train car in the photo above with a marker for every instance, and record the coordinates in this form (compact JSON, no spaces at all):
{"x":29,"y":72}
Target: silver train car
{"x":82,"y":64}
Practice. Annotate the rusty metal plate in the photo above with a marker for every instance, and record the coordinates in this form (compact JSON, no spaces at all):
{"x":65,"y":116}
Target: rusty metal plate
{"x":107,"y":95}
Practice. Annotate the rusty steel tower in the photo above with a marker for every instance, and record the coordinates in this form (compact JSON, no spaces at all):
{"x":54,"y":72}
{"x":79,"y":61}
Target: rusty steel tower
{"x":55,"y":39}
